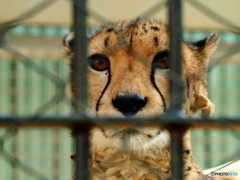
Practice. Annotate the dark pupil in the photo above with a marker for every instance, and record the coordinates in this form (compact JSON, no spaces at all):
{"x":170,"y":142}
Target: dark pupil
{"x":99,"y":61}
{"x":161,"y":60}
{"x":164,"y":56}
{"x":164,"y":59}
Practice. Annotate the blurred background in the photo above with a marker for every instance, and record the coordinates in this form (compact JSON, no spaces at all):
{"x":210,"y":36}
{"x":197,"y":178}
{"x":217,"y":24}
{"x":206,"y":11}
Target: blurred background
{"x":34,"y":77}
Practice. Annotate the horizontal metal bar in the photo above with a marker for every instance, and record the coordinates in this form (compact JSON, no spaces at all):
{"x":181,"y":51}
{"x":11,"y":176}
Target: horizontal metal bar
{"x":165,"y":121}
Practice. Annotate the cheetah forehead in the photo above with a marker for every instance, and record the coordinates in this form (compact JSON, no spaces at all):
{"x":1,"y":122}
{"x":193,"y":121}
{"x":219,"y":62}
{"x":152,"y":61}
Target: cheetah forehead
{"x":144,"y":37}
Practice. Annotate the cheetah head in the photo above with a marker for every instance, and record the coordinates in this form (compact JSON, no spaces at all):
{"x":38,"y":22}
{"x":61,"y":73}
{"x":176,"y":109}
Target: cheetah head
{"x":129,"y":76}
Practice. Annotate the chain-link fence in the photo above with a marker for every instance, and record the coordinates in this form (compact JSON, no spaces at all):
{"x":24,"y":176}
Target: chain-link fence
{"x":34,"y":80}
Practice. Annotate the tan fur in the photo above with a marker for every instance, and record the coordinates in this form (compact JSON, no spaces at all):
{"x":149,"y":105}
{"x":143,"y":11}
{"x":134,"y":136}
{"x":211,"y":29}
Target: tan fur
{"x":130,"y":46}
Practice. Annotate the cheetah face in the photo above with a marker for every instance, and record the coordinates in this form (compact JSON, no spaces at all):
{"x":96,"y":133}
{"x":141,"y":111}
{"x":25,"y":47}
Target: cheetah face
{"x":129,"y":75}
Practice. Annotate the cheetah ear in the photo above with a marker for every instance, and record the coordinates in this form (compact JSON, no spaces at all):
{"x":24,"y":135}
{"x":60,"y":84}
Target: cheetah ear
{"x":68,"y":40}
{"x":68,"y":45}
{"x":204,"y":48}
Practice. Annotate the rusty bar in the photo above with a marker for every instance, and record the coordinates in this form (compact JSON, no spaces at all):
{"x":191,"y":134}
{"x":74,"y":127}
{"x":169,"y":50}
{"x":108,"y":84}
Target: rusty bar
{"x":80,"y":88}
{"x":177,"y":88}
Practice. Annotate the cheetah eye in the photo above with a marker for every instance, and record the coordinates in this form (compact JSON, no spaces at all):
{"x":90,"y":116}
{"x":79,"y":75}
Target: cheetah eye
{"x":161,"y":60}
{"x":99,"y":62}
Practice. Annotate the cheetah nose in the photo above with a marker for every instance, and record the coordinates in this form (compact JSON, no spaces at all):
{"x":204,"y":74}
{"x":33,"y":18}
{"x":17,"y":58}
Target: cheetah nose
{"x":129,"y":105}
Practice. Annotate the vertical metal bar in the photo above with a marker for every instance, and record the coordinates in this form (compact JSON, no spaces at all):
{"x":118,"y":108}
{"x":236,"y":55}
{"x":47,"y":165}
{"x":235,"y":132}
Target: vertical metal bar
{"x":80,"y":88}
{"x":82,"y":145}
{"x":177,"y":153}
{"x":175,"y":25}
{"x":80,"y":65}
{"x":177,"y":90}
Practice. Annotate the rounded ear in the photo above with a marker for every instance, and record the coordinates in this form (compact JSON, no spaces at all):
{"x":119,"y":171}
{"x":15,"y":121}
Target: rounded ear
{"x":68,"y":40}
{"x":211,"y":42}
{"x":68,"y":45}
{"x":196,"y":75}
{"x":204,"y":48}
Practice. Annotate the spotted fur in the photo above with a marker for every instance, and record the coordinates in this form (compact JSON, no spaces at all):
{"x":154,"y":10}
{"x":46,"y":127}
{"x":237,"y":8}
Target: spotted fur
{"x":130,"y":48}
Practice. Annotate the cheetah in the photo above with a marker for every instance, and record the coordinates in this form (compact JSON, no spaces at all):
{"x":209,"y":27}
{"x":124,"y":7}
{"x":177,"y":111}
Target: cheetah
{"x":129,"y":77}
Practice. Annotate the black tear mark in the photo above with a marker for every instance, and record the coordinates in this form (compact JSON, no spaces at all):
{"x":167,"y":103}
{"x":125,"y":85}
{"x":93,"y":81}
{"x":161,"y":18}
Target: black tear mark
{"x":110,"y":30}
{"x":188,"y":169}
{"x":155,"y":28}
{"x":105,"y":88}
{"x":187,"y":151}
{"x":106,"y":42}
{"x":156,"y":41}
{"x":159,"y":92}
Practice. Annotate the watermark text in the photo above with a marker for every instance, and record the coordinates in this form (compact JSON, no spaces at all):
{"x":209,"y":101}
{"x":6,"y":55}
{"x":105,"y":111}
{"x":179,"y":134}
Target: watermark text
{"x":223,"y":174}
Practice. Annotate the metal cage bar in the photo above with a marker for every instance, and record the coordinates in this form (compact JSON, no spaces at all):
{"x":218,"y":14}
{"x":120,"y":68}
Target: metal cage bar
{"x":175,"y":31}
{"x":81,"y":123}
{"x":80,"y":88}
{"x":73,"y":121}
{"x":176,"y":87}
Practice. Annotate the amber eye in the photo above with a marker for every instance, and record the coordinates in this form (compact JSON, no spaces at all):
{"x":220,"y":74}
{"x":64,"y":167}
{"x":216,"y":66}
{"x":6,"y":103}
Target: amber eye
{"x":99,"y":62}
{"x":161,"y":60}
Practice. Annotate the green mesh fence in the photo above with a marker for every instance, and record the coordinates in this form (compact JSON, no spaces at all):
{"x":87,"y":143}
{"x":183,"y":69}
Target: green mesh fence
{"x":215,"y":147}
{"x":47,"y":151}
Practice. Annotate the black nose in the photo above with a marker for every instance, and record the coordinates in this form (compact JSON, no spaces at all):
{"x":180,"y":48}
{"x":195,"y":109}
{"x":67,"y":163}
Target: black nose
{"x":129,"y":105}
